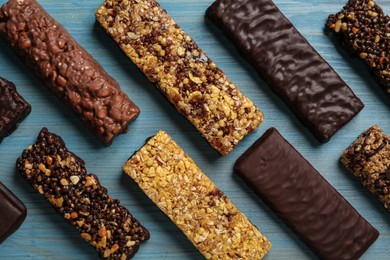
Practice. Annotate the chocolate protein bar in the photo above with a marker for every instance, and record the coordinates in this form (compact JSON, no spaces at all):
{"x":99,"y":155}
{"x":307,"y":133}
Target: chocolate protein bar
{"x":368,"y":158}
{"x":61,"y":178}
{"x":363,"y":29}
{"x":12,"y":213}
{"x":288,"y":63}
{"x":305,"y":201}
{"x":172,"y":61}
{"x":13,"y":108}
{"x":66,"y":68}
{"x":171,"y":179}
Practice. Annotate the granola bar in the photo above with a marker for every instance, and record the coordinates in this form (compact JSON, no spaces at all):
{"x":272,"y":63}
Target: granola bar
{"x":171,"y":179}
{"x":66,"y":68}
{"x":13,"y":108}
{"x":368,"y":158}
{"x":61,"y":178}
{"x":172,"y":61}
{"x":363,"y":29}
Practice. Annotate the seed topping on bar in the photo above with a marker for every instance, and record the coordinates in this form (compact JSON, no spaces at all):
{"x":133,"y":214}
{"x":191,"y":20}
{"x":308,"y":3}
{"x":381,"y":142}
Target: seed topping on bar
{"x":170,"y":59}
{"x":171,"y":179}
{"x":61,"y":177}
{"x":363,"y":29}
{"x":368,"y":158}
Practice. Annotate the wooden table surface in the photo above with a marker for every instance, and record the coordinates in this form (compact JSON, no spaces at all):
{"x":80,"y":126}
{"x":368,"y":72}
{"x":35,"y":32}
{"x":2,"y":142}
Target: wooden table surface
{"x":45,"y":235}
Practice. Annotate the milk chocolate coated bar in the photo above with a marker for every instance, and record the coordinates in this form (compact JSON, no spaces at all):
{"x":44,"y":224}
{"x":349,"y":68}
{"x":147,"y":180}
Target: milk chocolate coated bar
{"x":172,"y":61}
{"x":306,"y":202}
{"x":288,"y":63}
{"x":368,"y":158}
{"x":363,"y":29}
{"x":171,"y":179}
{"x":13,"y":108}
{"x":61,"y":178}
{"x":66,"y":68}
{"x":12,"y":213}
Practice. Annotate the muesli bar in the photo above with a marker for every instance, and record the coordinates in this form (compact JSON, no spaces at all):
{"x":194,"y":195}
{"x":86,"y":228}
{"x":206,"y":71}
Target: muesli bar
{"x":61,"y":178}
{"x":172,"y":61}
{"x":13,"y":108}
{"x":368,"y":158}
{"x":363,"y":30}
{"x":66,"y":68}
{"x":171,"y":179}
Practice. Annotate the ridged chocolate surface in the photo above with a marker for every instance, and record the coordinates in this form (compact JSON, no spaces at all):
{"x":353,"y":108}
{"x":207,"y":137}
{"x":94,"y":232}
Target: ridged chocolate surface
{"x":307,"y":203}
{"x":66,"y":68}
{"x":288,"y":63}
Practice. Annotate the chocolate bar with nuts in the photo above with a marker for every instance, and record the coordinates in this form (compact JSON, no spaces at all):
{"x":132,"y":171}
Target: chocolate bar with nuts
{"x":66,"y":68}
{"x":368,"y":158}
{"x":13,"y":108}
{"x":171,"y":179}
{"x":172,"y":61}
{"x":306,"y":202}
{"x":61,"y":178}
{"x":293,"y":69}
{"x":363,"y":30}
{"x":12,"y":213}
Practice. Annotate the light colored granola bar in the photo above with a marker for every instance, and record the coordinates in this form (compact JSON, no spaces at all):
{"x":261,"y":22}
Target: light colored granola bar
{"x":368,"y":158}
{"x":171,"y":179}
{"x":172,"y":61}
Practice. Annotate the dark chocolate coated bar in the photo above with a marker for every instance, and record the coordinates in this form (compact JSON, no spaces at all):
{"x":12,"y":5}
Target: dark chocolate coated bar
{"x":61,"y":178}
{"x":12,"y":213}
{"x":306,"y":202}
{"x":66,"y":68}
{"x":13,"y":108}
{"x":288,"y":63}
{"x":363,"y":29}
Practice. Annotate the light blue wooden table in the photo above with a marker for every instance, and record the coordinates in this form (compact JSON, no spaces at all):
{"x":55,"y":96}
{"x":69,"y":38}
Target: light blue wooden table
{"x":45,"y":235}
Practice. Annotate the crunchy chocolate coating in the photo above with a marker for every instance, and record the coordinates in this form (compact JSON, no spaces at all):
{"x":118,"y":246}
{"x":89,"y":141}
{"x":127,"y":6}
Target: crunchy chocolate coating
{"x":305,"y":201}
{"x":12,"y":213}
{"x":363,"y":29}
{"x":61,"y":178}
{"x":368,"y":158}
{"x":13,"y":108}
{"x":66,"y":68}
{"x":288,"y":63}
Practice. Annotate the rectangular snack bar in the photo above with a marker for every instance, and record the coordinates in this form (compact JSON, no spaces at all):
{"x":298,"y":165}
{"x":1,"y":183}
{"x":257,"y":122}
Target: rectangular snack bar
{"x":61,"y":178}
{"x":363,"y":30}
{"x":368,"y":158}
{"x":293,"y":69}
{"x":172,"y":61}
{"x":171,"y":179}
{"x":13,"y":108}
{"x":66,"y":68}
{"x":304,"y":200}
{"x":12,"y":213}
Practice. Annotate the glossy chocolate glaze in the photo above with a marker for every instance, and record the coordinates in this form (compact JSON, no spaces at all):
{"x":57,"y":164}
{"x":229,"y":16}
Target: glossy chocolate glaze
{"x":288,"y":63}
{"x":306,"y":202}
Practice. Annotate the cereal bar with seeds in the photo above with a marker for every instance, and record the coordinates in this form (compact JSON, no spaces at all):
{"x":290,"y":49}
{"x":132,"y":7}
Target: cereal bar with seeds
{"x":172,"y":61}
{"x":368,"y":158}
{"x":13,"y":108}
{"x":293,"y":69}
{"x":363,"y":29}
{"x":66,"y":68}
{"x":61,"y":178}
{"x":171,"y":179}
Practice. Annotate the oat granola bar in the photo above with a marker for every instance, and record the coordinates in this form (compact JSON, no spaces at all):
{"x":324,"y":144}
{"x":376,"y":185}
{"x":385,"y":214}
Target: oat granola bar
{"x":172,"y":61}
{"x":61,"y":178}
{"x":66,"y":68}
{"x":363,"y":29}
{"x":293,"y":69}
{"x":368,"y":158}
{"x":171,"y":179}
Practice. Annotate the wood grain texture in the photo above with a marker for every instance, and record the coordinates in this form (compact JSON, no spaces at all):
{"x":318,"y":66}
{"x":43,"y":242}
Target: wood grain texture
{"x":44,"y":234}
